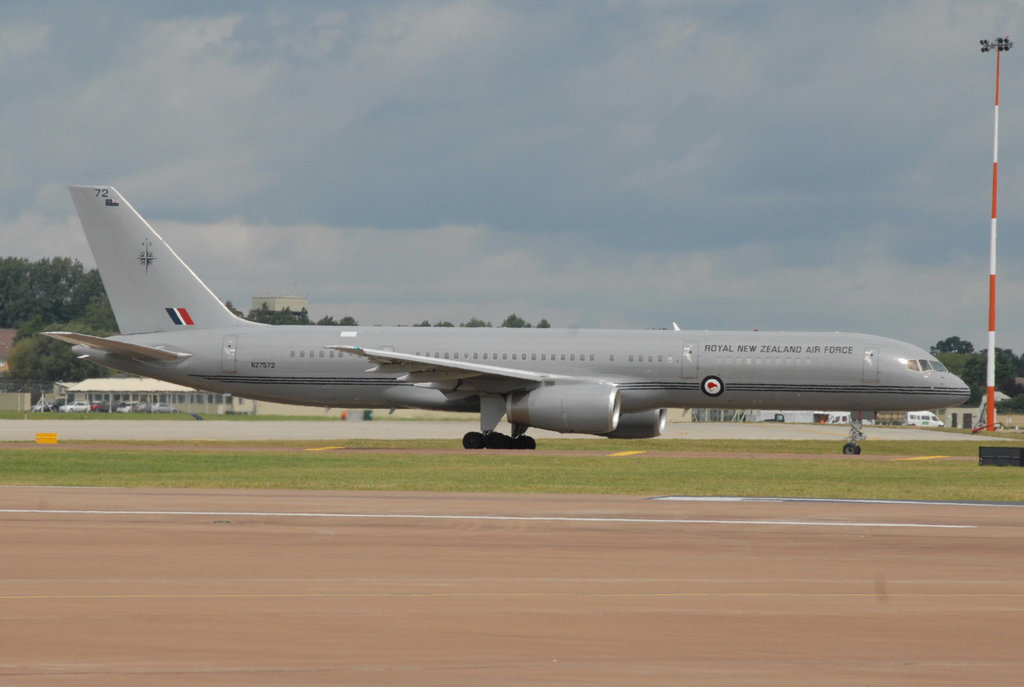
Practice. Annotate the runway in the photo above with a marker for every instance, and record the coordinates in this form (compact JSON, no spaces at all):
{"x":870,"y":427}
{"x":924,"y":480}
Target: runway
{"x":125,"y":586}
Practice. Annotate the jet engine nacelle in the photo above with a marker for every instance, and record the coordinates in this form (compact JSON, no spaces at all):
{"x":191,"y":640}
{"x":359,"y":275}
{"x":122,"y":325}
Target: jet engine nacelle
{"x":644,"y":424}
{"x":581,"y":408}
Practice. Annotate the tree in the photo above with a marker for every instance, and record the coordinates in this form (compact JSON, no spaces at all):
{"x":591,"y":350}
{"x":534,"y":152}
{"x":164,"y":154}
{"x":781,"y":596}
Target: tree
{"x":475,"y":322}
{"x":329,"y":321}
{"x":952,"y":344}
{"x":234,"y":311}
{"x":516,"y":322}
{"x":543,"y":324}
{"x":267,"y":316}
{"x":51,"y":289}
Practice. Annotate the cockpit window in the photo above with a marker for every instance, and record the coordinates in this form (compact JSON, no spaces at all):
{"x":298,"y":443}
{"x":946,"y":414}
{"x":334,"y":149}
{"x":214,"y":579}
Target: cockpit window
{"x":925,"y":365}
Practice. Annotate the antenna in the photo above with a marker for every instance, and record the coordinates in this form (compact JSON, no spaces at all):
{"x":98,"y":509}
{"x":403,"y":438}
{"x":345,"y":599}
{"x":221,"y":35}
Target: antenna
{"x":999,"y":45}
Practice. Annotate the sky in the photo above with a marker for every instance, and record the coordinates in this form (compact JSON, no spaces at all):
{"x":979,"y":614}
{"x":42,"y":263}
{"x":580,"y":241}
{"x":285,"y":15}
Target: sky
{"x":722,"y":165}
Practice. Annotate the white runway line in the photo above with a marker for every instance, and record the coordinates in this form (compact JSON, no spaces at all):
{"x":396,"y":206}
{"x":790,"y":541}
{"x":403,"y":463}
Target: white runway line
{"x":488,"y":518}
{"x":785,"y":499}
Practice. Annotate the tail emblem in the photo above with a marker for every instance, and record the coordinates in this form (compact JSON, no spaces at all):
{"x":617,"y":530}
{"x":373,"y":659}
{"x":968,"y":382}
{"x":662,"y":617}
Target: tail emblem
{"x":146,"y":257}
{"x":179,"y":316}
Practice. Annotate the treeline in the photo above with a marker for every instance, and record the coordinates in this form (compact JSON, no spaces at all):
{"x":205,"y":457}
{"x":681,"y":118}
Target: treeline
{"x":60,"y":294}
{"x":287,"y":316}
{"x":51,"y":294}
{"x":959,"y":356}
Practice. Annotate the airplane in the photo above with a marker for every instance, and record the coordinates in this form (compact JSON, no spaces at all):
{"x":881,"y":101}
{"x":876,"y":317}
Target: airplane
{"x":611,"y":383}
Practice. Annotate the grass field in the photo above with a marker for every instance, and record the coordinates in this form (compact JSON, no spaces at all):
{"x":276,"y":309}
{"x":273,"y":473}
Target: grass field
{"x":928,"y":470}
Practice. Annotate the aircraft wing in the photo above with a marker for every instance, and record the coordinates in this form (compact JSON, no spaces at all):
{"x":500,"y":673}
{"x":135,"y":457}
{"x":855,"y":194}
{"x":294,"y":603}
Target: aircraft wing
{"x":421,"y":368}
{"x":130,"y":350}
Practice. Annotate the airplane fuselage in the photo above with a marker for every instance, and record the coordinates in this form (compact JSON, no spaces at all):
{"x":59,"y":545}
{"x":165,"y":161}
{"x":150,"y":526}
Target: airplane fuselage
{"x":613,"y":383}
{"x":651,"y":368}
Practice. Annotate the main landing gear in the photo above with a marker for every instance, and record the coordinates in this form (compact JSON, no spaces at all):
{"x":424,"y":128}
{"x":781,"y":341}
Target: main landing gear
{"x":852,"y":447}
{"x":492,"y":409}
{"x":497,"y":440}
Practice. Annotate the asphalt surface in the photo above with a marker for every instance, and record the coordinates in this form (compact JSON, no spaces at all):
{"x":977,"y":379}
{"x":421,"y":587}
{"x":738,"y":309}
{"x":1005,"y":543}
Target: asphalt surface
{"x":110,"y":587}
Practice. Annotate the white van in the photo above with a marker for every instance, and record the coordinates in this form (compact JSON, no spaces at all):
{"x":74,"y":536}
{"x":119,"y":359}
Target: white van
{"x":924,"y":418}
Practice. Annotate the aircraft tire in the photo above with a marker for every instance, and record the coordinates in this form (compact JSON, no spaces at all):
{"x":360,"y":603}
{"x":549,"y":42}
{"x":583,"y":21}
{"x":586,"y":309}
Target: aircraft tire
{"x":524,"y":443}
{"x":851,"y":449}
{"x":473,"y":440}
{"x":496,"y":440}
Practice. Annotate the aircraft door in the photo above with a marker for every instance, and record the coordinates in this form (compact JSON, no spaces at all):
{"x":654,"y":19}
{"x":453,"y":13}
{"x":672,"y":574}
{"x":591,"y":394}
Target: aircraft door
{"x":690,"y":360}
{"x":869,"y":371}
{"x":228,"y":354}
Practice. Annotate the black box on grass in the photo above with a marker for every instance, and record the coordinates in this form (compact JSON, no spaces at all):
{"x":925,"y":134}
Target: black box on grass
{"x":1001,"y":455}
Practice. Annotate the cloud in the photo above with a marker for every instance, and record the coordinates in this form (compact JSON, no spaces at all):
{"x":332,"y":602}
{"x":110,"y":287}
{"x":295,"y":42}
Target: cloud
{"x":722,"y":164}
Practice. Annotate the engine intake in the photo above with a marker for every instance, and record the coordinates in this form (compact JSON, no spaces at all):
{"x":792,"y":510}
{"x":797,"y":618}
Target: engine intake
{"x":579,"y":408}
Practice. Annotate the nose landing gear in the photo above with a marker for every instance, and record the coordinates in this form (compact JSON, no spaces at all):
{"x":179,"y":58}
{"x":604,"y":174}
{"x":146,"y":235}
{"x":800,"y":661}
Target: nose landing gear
{"x":852,"y":447}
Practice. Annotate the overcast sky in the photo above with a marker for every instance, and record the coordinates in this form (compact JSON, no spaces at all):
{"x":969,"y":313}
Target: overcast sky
{"x":724,"y":165}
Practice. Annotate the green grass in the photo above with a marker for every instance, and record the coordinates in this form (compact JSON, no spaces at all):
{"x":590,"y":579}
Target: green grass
{"x":581,"y":466}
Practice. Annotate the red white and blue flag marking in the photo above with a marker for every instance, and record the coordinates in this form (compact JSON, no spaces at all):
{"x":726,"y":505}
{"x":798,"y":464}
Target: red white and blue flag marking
{"x":179,"y":316}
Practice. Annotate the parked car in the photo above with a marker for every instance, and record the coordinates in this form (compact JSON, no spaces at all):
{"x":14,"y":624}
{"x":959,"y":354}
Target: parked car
{"x":99,"y":407}
{"x":162,"y":408}
{"x":76,"y":407}
{"x":129,"y":407}
{"x":43,"y":406}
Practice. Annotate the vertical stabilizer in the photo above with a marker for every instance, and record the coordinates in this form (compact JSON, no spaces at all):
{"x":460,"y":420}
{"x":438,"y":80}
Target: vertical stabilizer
{"x":150,"y":288}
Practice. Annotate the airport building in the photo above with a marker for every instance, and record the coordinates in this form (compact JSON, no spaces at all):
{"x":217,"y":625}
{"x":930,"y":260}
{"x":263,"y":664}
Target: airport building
{"x":280,"y":302}
{"x":114,"y":392}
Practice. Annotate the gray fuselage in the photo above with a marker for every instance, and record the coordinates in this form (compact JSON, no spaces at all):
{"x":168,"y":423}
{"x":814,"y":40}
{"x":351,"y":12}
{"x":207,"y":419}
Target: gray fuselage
{"x":651,"y":368}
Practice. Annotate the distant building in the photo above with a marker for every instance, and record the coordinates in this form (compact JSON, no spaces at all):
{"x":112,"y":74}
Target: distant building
{"x":115,"y":391}
{"x":280,"y":302}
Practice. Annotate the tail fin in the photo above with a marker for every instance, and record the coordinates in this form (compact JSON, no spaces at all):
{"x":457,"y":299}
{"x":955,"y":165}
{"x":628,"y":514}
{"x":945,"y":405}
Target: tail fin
{"x":150,"y":288}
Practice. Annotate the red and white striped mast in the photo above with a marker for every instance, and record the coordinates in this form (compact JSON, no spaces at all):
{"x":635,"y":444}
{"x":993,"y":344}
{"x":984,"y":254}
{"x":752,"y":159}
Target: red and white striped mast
{"x":999,"y":45}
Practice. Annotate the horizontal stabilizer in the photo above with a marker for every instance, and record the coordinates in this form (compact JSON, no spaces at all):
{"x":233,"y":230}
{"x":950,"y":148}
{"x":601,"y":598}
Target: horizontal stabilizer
{"x":130,"y":350}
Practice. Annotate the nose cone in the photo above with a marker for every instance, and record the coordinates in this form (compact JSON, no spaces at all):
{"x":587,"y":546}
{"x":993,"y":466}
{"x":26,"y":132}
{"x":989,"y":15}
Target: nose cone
{"x":951,"y":389}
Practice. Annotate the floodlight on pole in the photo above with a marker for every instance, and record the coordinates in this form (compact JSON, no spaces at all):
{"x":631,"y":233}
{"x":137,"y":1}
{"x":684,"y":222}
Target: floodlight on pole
{"x":999,"y":45}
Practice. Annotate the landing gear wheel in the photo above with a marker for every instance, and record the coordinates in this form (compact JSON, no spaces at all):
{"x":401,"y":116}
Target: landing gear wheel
{"x":851,"y":449}
{"x":497,"y":440}
{"x":473,"y":440}
{"x":524,"y":443}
